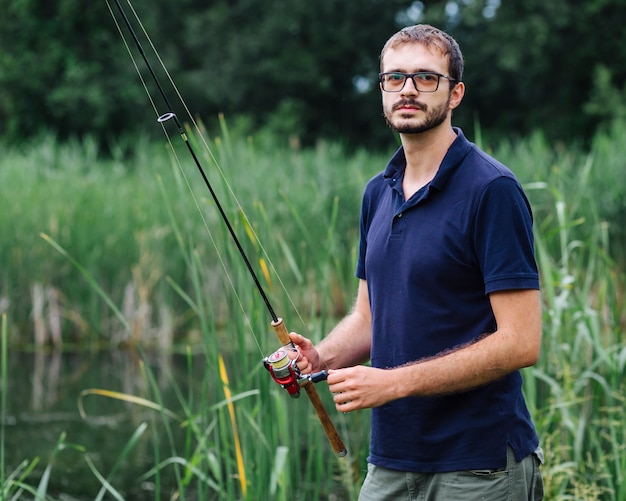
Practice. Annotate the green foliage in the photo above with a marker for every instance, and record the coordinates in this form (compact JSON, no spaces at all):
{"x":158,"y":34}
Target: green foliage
{"x":61,"y":69}
{"x":534,"y":64}
{"x":294,"y":63}
{"x":138,"y":221}
{"x":87,"y":223}
{"x":262,"y":60}
{"x":112,"y":215}
{"x":305,"y":69}
{"x":576,"y":391}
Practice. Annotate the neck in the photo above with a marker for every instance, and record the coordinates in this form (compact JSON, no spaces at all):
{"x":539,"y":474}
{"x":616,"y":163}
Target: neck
{"x":424,"y":153}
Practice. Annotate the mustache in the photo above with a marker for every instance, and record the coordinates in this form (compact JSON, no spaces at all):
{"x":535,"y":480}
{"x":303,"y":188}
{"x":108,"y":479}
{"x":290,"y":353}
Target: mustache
{"x":409,"y":102}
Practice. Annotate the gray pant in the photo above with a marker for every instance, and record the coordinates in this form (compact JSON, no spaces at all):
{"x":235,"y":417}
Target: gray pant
{"x":518,"y":482}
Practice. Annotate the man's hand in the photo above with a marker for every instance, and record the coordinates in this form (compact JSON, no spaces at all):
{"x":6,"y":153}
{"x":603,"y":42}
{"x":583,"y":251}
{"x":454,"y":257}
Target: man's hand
{"x":358,"y":387}
{"x":307,"y":355}
{"x":361,"y":387}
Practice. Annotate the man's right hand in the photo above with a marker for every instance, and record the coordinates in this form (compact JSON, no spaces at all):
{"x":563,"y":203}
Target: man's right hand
{"x":308,"y":360}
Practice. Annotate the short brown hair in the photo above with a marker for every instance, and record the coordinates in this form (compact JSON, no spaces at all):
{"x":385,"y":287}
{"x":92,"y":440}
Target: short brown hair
{"x":431,"y":37}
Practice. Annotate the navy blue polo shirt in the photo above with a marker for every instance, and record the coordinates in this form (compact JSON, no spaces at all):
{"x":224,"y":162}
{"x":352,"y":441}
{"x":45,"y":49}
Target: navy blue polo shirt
{"x":430,"y":263}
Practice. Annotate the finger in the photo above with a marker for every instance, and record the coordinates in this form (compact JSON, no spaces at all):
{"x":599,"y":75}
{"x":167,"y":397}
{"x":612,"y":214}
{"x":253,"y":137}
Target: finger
{"x":305,"y":367}
{"x":335,"y":376}
{"x":292,"y":352}
{"x":300,"y":340}
{"x":344,"y":406}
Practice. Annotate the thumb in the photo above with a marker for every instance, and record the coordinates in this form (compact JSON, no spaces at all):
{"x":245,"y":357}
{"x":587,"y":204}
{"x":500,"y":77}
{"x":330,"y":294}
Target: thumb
{"x":299,"y":340}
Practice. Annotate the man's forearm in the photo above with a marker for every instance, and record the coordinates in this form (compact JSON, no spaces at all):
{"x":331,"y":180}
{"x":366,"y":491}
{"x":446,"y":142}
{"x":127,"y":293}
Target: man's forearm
{"x":350,"y":341}
{"x":347,"y":344}
{"x":514,"y":345}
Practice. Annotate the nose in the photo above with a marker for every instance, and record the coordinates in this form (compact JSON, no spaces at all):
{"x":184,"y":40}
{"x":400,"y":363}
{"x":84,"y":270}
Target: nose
{"x":409,"y":87}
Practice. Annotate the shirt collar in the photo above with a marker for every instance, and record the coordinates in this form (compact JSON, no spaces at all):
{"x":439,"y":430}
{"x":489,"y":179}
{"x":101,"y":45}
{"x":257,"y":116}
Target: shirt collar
{"x":394,"y":172}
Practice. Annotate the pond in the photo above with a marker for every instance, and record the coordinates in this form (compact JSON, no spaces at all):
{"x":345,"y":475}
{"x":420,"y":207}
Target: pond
{"x":43,"y":393}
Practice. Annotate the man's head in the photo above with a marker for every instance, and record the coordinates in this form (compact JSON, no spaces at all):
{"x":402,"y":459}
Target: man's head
{"x":421,"y":69}
{"x":432,"y":38}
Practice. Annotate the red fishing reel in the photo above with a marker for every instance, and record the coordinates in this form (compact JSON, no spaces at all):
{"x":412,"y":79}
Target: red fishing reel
{"x":286,"y":373}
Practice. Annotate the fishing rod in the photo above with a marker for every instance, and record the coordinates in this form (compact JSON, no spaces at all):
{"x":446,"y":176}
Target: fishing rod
{"x":283,"y":370}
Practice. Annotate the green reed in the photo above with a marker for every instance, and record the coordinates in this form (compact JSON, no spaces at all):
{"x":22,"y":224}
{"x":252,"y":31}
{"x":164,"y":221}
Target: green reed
{"x":3,"y":396}
{"x":237,"y":324}
{"x":576,"y":391}
{"x":146,"y":261}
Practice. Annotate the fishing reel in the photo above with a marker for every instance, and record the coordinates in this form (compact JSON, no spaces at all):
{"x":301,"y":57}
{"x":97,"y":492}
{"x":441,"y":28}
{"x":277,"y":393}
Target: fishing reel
{"x":286,"y":373}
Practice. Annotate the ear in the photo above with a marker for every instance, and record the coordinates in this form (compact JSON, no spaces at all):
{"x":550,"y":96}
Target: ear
{"x":457,"y":95}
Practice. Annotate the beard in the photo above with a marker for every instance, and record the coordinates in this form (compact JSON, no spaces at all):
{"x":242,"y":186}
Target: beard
{"x":432,"y":117}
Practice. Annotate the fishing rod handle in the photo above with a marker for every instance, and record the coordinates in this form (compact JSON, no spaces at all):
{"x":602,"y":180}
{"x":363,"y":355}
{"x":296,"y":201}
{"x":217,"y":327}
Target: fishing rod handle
{"x":329,"y":428}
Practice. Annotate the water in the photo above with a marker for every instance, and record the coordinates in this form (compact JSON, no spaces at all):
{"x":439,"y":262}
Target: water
{"x":43,"y":393}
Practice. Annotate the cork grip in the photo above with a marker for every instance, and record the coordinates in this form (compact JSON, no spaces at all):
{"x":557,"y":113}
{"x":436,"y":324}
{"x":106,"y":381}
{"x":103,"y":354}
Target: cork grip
{"x":329,"y":428}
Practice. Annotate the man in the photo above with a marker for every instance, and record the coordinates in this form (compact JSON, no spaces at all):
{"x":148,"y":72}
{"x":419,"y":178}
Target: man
{"x":448,"y":307}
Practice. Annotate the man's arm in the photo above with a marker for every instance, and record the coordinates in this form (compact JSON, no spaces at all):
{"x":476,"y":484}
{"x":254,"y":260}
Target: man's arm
{"x":347,"y":344}
{"x":515,"y":344}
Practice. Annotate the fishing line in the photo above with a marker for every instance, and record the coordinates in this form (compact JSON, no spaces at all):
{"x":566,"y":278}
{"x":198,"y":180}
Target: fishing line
{"x":172,"y":150}
{"x":217,"y":165}
{"x":162,"y":118}
{"x":277,"y":323}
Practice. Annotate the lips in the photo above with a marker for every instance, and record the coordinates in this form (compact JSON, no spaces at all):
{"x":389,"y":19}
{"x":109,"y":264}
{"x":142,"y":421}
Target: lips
{"x":409,"y":105}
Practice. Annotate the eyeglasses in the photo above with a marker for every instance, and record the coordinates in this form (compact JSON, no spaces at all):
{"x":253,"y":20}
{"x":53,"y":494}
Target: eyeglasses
{"x":424,"y":81}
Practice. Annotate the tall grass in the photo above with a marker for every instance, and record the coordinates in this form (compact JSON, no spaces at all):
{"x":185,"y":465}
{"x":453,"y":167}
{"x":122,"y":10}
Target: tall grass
{"x":144,"y":230}
{"x":577,"y":391}
{"x":111,"y":214}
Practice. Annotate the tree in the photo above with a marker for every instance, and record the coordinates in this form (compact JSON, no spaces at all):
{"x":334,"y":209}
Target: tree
{"x":534,"y":64}
{"x":61,"y":69}
{"x":296,"y":65}
{"x":289,"y":64}
{"x":307,"y":69}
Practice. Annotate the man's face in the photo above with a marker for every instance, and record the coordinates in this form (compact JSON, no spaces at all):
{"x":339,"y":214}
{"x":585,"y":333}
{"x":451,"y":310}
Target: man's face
{"x":410,"y":111}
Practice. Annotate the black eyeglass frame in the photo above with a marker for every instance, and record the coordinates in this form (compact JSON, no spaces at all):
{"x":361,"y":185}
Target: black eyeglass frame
{"x":412,"y":76}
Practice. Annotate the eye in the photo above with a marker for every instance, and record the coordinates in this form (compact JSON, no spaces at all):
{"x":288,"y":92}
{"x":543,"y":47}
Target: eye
{"x":395,"y":77}
{"x":427,"y":77}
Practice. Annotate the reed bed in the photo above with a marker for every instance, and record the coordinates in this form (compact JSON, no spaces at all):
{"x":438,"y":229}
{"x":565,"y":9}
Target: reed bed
{"x":134,"y":254}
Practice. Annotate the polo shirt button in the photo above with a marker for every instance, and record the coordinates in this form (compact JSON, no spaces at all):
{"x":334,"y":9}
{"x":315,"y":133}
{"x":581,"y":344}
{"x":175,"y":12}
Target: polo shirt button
{"x":400,"y":215}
